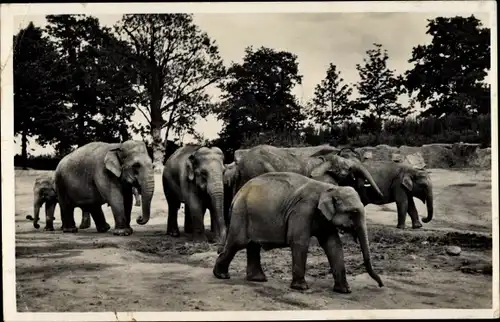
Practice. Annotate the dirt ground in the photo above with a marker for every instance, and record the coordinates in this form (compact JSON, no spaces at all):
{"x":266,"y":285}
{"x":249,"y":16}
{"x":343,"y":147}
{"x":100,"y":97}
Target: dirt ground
{"x":149,"y":271}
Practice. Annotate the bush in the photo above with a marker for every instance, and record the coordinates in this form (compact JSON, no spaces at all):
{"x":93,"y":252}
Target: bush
{"x":39,"y":162}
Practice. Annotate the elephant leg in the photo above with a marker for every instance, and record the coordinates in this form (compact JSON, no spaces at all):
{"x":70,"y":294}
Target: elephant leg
{"x":299,"y":258}
{"x":50,"y":208}
{"x":100,"y":221}
{"x":85,"y":223}
{"x":402,"y":207}
{"x":68,"y":217}
{"x":188,"y":220}
{"x":122,"y":227}
{"x":332,"y":245}
{"x":412,"y":211}
{"x":172,"y":225}
{"x":196,"y":213}
{"x":254,"y":268}
{"x":127,"y":205}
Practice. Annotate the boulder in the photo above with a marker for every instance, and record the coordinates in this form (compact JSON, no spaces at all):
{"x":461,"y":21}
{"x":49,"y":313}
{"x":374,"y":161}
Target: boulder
{"x":453,"y":250}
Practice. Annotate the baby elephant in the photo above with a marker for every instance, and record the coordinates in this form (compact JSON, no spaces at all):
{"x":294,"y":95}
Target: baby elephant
{"x":283,"y":209}
{"x":44,"y":193}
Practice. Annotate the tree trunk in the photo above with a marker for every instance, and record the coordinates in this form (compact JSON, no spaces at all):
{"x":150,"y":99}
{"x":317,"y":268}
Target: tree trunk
{"x":156,"y":124}
{"x":24,"y":150}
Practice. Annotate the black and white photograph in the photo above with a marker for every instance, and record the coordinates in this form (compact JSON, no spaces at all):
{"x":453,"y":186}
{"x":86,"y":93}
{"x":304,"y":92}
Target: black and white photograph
{"x":241,"y":161}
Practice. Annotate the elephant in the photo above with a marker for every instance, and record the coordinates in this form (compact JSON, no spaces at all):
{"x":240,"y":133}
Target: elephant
{"x":193,"y":175}
{"x":44,"y":192}
{"x":399,"y":183}
{"x":100,"y":172}
{"x":286,"y":209}
{"x":308,"y":161}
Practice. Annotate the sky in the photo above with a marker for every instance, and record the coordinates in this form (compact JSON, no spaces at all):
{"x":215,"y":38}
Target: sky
{"x":317,"y":39}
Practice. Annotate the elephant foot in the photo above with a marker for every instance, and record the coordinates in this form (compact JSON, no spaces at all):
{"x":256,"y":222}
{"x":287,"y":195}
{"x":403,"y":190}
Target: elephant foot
{"x":416,"y":225}
{"x":220,"y":249}
{"x":37,"y":226}
{"x":137,"y":204}
{"x":199,"y":238}
{"x":341,"y":288}
{"x":104,"y":228}
{"x":123,"y":231}
{"x":84,"y":225}
{"x":70,"y":230}
{"x":48,"y":228}
{"x":258,"y":277}
{"x":219,"y":274}
{"x":401,"y":226}
{"x":173,"y":232}
{"x":300,"y":285}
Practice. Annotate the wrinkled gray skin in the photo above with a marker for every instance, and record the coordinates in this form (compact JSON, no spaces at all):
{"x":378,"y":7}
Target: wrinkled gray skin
{"x":284,"y":209}
{"x":399,"y":183}
{"x":193,"y":176}
{"x":261,"y":159}
{"x":99,"y":173}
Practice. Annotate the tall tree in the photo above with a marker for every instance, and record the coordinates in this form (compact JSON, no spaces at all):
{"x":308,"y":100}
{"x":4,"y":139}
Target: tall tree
{"x":448,"y":74}
{"x":379,"y":87}
{"x":175,"y":63}
{"x":99,"y":88}
{"x":331,"y":105}
{"x":38,"y":107}
{"x":257,"y":95}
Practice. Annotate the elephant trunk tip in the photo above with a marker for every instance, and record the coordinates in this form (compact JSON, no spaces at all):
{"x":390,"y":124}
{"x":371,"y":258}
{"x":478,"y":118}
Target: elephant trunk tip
{"x":141,"y":221}
{"x":426,"y":220}
{"x":29,"y":217}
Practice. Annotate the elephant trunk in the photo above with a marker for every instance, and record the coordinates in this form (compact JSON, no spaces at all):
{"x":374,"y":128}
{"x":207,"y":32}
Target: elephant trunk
{"x":358,"y":168}
{"x":362,"y":233}
{"x":429,"y":200}
{"x":216,"y":193}
{"x":147,"y":189}
{"x":36,"y":211}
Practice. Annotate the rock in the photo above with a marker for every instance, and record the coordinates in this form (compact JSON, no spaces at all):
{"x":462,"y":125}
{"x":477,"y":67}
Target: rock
{"x":425,"y":242}
{"x":453,"y":250}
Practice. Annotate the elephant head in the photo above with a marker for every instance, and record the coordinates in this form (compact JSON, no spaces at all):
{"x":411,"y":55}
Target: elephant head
{"x":205,"y":168}
{"x":346,"y":172}
{"x":130,"y":162}
{"x":43,"y":191}
{"x":418,"y":183}
{"x":342,"y":207}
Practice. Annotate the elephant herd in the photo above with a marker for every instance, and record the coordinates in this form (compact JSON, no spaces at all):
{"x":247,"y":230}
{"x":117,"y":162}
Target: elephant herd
{"x":269,"y":197}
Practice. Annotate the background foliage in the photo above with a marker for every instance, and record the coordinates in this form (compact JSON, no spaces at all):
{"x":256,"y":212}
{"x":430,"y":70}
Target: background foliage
{"x":76,"y":81}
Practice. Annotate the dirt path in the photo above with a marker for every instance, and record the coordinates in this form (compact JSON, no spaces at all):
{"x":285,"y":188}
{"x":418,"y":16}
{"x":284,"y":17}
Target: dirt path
{"x":150,"y":271}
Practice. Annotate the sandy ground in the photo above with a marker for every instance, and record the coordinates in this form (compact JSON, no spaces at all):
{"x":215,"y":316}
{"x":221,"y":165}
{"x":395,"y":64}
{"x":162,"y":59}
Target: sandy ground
{"x":150,"y":271}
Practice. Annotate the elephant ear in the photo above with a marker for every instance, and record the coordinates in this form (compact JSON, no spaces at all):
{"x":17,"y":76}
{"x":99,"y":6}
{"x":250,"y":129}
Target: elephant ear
{"x":326,"y":204}
{"x":407,"y":182}
{"x":112,"y":162}
{"x":321,"y":169}
{"x":230,"y":174}
{"x":190,"y":167}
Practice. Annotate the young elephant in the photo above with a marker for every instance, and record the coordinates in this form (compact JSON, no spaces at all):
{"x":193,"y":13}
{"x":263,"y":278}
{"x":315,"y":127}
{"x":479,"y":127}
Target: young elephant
{"x":284,"y":209}
{"x":193,"y":176}
{"x":44,"y":192}
{"x":399,"y":183}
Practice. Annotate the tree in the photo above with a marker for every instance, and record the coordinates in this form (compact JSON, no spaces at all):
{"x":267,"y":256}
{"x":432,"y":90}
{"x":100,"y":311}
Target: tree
{"x":37,"y":76}
{"x":379,"y":87}
{"x":331,"y":105}
{"x":175,"y":62}
{"x":99,"y":86}
{"x":448,"y":74}
{"x":257,"y":95}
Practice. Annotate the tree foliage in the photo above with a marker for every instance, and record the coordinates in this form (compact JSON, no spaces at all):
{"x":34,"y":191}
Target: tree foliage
{"x":38,"y":103}
{"x":257,"y":95}
{"x":175,"y":62}
{"x":98,"y":86}
{"x":448,"y":73}
{"x":379,"y":87}
{"x":331,"y":104}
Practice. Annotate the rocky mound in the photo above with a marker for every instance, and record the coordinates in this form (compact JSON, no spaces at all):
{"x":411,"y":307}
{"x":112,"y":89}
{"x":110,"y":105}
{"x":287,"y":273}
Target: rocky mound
{"x":457,"y":155}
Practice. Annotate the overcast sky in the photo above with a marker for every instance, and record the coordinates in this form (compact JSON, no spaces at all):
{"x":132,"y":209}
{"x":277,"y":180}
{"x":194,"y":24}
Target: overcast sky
{"x":316,"y":38}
